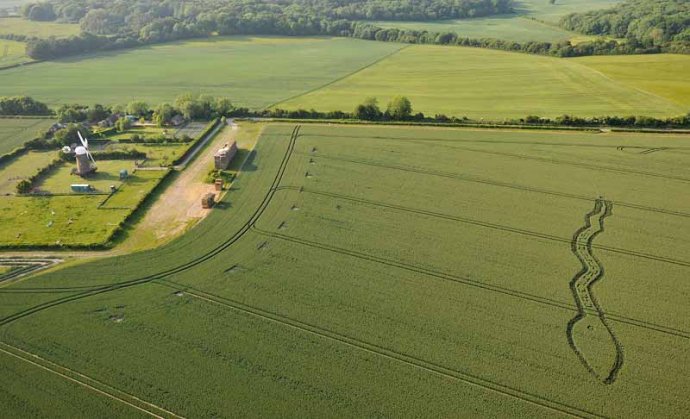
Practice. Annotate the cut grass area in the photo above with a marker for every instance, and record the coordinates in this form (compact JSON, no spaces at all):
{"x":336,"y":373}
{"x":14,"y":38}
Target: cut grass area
{"x":666,"y":75}
{"x":130,"y":193}
{"x":14,"y":132}
{"x":507,"y":27}
{"x":74,"y":220}
{"x":58,"y":181}
{"x":23,"y":167}
{"x":12,"y":53}
{"x":141,"y":131}
{"x":242,"y":68}
{"x":18,"y":26}
{"x":69,"y":219}
{"x":157,"y":155}
{"x":480,"y":83}
{"x":56,"y":220}
{"x":359,"y":270}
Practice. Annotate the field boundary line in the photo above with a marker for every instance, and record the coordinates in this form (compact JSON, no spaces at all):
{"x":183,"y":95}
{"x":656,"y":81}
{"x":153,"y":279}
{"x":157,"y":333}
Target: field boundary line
{"x":71,"y":375}
{"x":474,"y":179}
{"x":576,"y":164}
{"x":332,"y":82}
{"x":453,"y":140}
{"x":627,"y":85}
{"x":384,"y":352}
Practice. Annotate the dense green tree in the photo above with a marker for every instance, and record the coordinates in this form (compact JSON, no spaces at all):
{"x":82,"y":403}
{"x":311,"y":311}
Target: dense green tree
{"x":69,"y":136}
{"x":138,"y":108}
{"x":399,"y":108}
{"x":97,"y":113}
{"x":71,"y":113}
{"x":38,"y":11}
{"x":368,"y":110}
{"x":22,"y":105}
{"x":163,"y":113}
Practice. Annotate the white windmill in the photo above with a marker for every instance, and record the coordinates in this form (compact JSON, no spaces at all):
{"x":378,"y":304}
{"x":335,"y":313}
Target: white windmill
{"x":85,"y":162}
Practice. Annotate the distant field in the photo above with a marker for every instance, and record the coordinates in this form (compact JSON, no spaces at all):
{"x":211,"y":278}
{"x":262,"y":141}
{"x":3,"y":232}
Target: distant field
{"x":508,"y":27}
{"x":665,"y":75}
{"x":253,"y":72}
{"x":12,"y":52}
{"x":14,"y":132}
{"x":552,"y":13}
{"x":18,"y":26}
{"x":480,"y":83}
{"x":359,"y":270}
{"x":533,"y":20}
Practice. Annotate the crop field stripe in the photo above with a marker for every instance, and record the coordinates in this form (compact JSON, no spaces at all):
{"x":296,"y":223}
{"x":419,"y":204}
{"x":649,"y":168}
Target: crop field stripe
{"x":401,"y":208}
{"x":497,"y":227}
{"x":486,"y":181}
{"x":371,"y":64}
{"x":87,"y":382}
{"x":471,"y":282}
{"x":381,"y":351}
{"x":456,"y":140}
{"x":126,"y":284}
{"x":576,"y":164}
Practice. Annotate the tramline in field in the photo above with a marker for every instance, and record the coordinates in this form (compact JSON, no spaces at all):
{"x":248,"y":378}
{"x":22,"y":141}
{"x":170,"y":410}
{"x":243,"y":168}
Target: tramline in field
{"x":362,"y":269}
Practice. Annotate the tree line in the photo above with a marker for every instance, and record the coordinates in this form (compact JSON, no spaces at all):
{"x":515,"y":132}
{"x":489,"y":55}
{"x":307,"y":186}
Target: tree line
{"x":125,"y":24}
{"x":651,"y":24}
{"x":205,"y":107}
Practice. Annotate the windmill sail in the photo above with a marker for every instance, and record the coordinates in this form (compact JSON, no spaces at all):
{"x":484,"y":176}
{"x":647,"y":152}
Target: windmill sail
{"x":85,"y":143}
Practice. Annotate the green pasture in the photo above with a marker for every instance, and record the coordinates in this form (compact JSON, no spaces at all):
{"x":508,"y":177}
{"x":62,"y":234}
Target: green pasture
{"x":14,"y":132}
{"x":55,"y":220}
{"x":665,"y":75}
{"x":23,"y":167}
{"x":18,"y":26}
{"x":141,"y":131}
{"x":253,"y":72}
{"x":533,"y":20}
{"x":12,"y":53}
{"x":552,"y":13}
{"x":157,"y":155}
{"x":359,"y":270}
{"x":58,"y":181}
{"x":479,"y":83}
{"x":509,"y":27}
{"x":68,"y":218}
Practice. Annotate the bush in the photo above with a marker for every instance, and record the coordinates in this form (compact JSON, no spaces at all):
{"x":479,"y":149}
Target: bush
{"x":24,"y":187}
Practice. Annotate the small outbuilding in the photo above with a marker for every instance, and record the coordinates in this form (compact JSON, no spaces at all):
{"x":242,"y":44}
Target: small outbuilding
{"x":224,"y":156}
{"x":208,"y":200}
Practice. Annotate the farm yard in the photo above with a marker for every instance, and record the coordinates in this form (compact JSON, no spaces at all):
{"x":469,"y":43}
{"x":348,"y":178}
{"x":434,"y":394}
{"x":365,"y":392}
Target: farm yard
{"x":492,"y":272}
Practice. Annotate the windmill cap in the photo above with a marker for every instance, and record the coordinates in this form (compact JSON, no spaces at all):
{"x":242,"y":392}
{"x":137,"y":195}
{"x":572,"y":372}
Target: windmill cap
{"x":80,"y":151}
